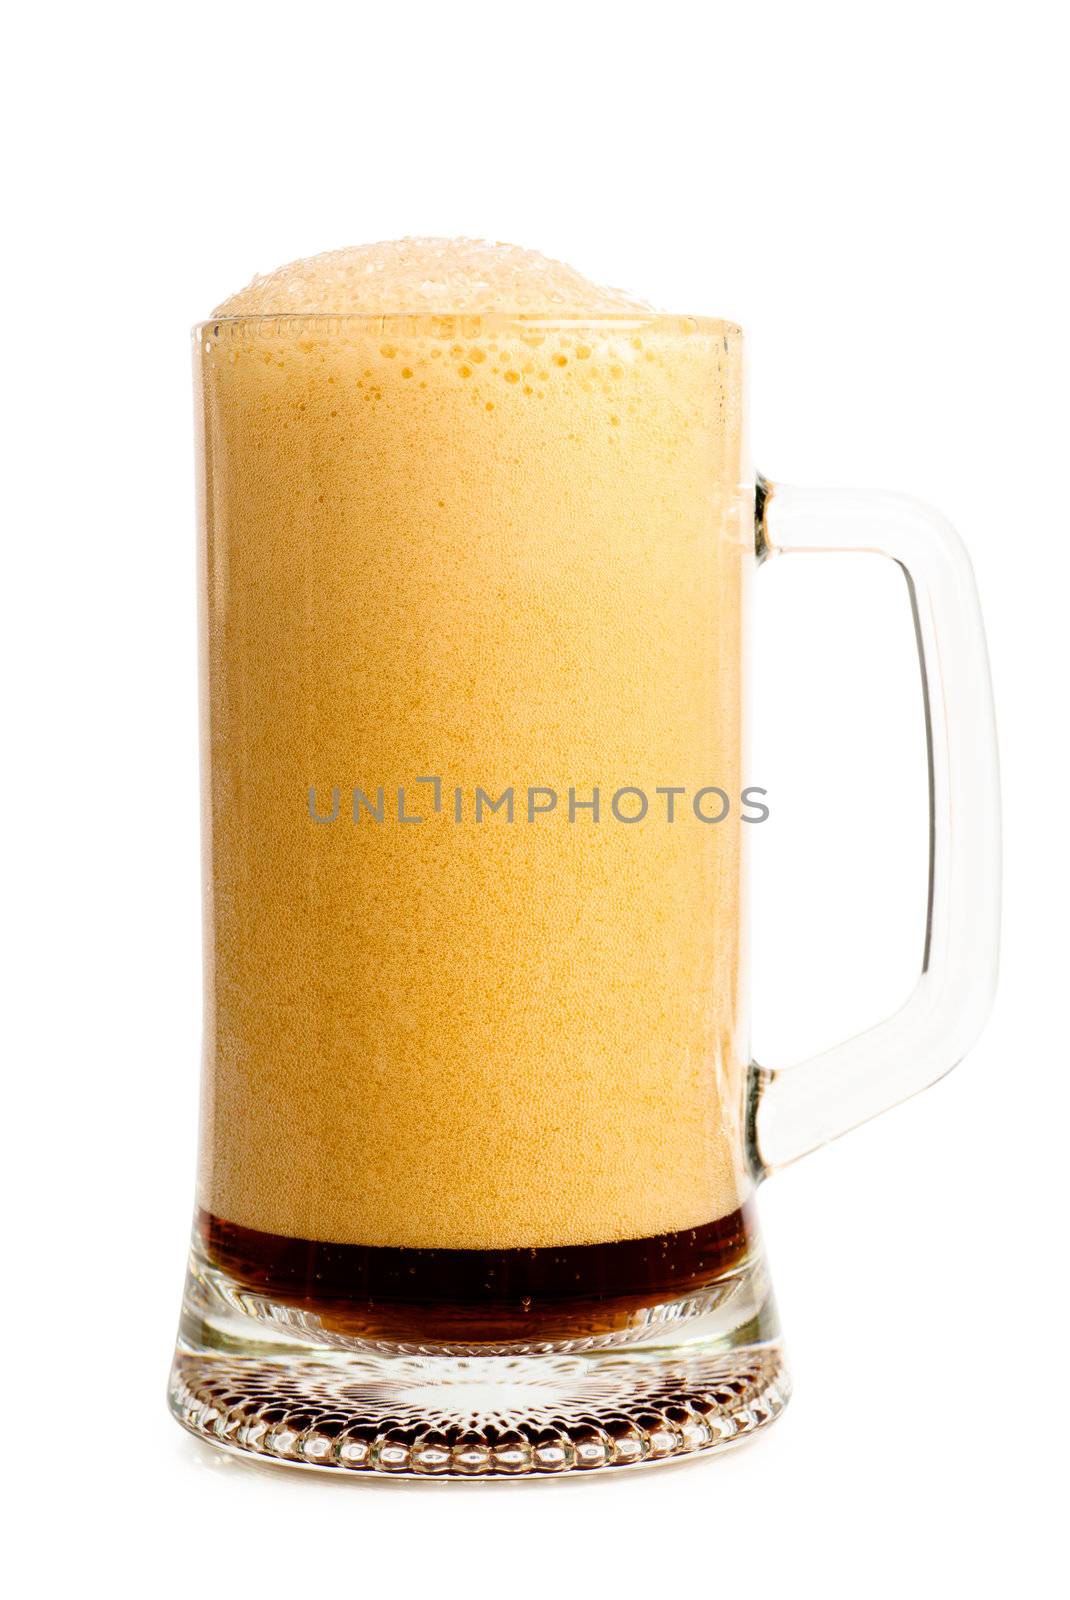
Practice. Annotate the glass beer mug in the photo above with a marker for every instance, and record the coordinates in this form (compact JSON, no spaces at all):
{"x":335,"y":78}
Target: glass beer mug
{"x":480,"y":1129}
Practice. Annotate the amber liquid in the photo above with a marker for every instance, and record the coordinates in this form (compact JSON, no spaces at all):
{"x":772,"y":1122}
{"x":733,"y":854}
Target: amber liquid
{"x":477,"y":1296}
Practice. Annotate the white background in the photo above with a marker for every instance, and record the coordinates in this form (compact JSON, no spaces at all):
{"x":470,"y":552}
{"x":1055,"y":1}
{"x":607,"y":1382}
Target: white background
{"x":878,"y":194}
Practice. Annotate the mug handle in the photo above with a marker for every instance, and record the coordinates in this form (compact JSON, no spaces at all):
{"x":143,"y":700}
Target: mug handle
{"x":793,"y":1110}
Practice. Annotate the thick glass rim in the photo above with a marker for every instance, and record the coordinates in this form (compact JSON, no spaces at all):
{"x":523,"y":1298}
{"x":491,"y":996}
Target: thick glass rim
{"x":446,"y":324}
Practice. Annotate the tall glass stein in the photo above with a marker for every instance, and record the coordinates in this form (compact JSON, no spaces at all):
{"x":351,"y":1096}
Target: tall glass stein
{"x":480,"y":1129}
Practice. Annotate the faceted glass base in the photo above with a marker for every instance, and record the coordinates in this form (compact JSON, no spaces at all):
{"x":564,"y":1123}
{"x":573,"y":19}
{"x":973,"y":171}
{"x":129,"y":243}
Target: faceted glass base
{"x":262,"y":1379}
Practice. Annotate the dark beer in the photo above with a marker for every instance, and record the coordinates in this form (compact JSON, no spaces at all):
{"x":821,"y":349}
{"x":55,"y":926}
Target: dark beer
{"x":477,"y":1296}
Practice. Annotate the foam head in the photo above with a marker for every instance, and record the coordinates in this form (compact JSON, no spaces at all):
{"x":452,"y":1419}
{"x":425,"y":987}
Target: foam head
{"x":410,"y":276}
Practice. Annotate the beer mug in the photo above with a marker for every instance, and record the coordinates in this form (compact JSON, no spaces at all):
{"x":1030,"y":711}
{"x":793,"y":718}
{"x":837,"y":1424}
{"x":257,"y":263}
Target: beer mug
{"x":481,"y":1132}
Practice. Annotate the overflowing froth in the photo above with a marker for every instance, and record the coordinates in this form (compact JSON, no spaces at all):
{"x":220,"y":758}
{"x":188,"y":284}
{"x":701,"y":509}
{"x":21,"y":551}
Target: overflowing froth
{"x":413,"y":276}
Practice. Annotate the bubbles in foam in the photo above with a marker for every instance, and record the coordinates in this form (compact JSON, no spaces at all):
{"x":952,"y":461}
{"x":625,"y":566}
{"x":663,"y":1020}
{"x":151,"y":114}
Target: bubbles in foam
{"x":410,"y":276}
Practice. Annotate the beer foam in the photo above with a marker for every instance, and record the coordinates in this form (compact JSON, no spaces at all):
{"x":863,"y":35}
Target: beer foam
{"x":501,"y":554}
{"x":410,"y":276}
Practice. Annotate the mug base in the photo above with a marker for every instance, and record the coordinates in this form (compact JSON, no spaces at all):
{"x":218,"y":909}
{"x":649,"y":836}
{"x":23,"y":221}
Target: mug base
{"x":257,"y":1378}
